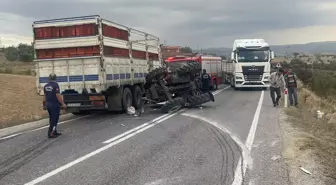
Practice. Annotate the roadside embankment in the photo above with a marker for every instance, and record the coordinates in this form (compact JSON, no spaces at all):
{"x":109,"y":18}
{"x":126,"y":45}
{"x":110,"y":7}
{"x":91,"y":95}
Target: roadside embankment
{"x":310,"y":142}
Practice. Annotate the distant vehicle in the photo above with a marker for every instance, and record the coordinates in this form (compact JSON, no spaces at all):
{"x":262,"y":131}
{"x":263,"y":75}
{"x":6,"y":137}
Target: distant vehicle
{"x":212,"y":64}
{"x":100,"y":65}
{"x":250,"y":64}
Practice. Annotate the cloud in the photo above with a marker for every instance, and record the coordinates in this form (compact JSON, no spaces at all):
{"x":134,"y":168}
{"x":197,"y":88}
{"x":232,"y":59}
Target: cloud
{"x":189,"y":22}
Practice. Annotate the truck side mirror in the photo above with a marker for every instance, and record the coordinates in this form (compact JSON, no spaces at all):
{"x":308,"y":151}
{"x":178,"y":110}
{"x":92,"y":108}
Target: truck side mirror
{"x":272,"y":55}
{"x":232,"y":56}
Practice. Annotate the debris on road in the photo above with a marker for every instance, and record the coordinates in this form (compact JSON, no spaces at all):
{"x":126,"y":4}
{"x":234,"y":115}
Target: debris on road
{"x":319,"y":114}
{"x":131,"y":110}
{"x":306,"y":171}
{"x":276,"y":157}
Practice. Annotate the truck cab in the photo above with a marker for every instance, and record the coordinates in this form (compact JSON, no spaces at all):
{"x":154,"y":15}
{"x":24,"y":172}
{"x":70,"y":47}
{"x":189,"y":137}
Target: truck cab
{"x":251,"y":59}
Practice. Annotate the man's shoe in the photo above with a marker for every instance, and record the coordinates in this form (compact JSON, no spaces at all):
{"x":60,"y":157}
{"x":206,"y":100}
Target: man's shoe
{"x":58,"y":134}
{"x":53,"y":136}
{"x":274,"y":105}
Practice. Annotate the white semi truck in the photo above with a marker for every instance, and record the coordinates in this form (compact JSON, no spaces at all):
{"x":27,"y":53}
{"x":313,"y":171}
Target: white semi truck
{"x":250,"y":64}
{"x":100,"y":65}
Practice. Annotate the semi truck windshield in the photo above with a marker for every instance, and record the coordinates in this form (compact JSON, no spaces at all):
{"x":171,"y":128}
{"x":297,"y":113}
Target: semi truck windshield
{"x":253,"y":56}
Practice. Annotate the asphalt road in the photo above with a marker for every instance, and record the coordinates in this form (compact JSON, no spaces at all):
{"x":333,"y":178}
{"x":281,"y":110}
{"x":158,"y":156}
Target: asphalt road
{"x":234,"y":140}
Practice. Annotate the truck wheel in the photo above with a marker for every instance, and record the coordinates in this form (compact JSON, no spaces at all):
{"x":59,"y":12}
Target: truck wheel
{"x":127,"y":99}
{"x":137,"y":95}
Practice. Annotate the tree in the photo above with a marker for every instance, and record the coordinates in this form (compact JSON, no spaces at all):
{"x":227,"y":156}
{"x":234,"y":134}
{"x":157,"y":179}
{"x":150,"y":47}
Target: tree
{"x":11,"y":53}
{"x":186,"y":49}
{"x":26,"y":53}
{"x":295,"y":54}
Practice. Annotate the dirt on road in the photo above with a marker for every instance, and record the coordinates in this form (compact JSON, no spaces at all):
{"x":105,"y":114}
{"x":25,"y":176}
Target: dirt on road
{"x":19,"y":101}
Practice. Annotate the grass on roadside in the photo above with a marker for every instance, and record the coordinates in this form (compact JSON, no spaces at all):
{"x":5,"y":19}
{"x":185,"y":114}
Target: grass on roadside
{"x":316,"y":136}
{"x":19,"y":101}
{"x":9,"y":70}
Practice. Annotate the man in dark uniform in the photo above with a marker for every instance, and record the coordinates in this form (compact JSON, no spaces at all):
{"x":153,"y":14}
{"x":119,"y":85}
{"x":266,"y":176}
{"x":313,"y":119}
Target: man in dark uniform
{"x":205,"y":81}
{"x":53,"y":101}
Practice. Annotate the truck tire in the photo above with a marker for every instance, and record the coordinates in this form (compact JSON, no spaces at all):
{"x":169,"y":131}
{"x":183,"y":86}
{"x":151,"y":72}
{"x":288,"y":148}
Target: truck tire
{"x":127,"y":99}
{"x":137,"y":95}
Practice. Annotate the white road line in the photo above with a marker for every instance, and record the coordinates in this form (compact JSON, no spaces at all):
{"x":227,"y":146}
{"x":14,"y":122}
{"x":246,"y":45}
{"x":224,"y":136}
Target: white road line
{"x":58,"y":123}
{"x":219,"y":91}
{"x":253,"y":129}
{"x":136,"y":128}
{"x":112,"y":142}
{"x":16,"y":134}
{"x":235,"y":138}
{"x":62,"y":168}
{"x":150,"y":122}
{"x":40,"y":128}
{"x":240,"y":173}
{"x":10,"y":136}
{"x":246,"y":148}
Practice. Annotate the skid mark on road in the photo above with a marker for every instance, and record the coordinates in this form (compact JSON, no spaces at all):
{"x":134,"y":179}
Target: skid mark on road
{"x":112,"y":142}
{"x":40,"y":128}
{"x":20,"y":159}
{"x":244,"y":150}
{"x":246,"y":159}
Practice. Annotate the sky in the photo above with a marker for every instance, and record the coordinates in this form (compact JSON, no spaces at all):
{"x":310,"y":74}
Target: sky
{"x":195,"y":23}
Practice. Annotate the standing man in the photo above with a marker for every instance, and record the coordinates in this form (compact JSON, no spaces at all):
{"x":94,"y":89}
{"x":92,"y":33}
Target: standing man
{"x":291,"y":85}
{"x":205,"y":81}
{"x":54,"y":101}
{"x":277,"y":81}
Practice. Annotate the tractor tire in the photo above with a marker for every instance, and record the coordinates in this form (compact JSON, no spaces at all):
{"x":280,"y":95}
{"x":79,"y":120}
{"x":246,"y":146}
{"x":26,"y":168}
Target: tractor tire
{"x":156,"y":74}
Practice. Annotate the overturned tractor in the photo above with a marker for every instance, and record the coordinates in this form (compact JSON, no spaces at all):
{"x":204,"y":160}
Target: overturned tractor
{"x":178,"y":85}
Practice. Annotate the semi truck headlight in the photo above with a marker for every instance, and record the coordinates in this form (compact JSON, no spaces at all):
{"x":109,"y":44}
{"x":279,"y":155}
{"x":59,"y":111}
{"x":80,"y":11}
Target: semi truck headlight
{"x":266,"y":77}
{"x":239,"y":78}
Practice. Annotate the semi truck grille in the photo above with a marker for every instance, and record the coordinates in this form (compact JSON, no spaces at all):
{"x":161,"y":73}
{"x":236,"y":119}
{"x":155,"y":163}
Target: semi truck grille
{"x":253,"y":77}
{"x":253,"y":70}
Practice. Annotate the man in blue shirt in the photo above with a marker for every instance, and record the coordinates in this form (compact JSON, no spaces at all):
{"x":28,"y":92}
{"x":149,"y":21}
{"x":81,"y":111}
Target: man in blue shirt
{"x":54,"y":101}
{"x":205,"y":81}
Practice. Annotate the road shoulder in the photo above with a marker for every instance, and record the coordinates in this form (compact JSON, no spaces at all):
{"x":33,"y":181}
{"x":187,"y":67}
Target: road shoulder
{"x":7,"y":132}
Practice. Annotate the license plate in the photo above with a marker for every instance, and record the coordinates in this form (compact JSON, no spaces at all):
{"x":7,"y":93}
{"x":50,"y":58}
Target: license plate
{"x":73,"y":104}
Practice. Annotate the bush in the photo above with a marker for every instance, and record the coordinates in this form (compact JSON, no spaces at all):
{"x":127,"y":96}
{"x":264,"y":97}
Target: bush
{"x":319,"y":77}
{"x":11,"y":53}
{"x":23,"y":53}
